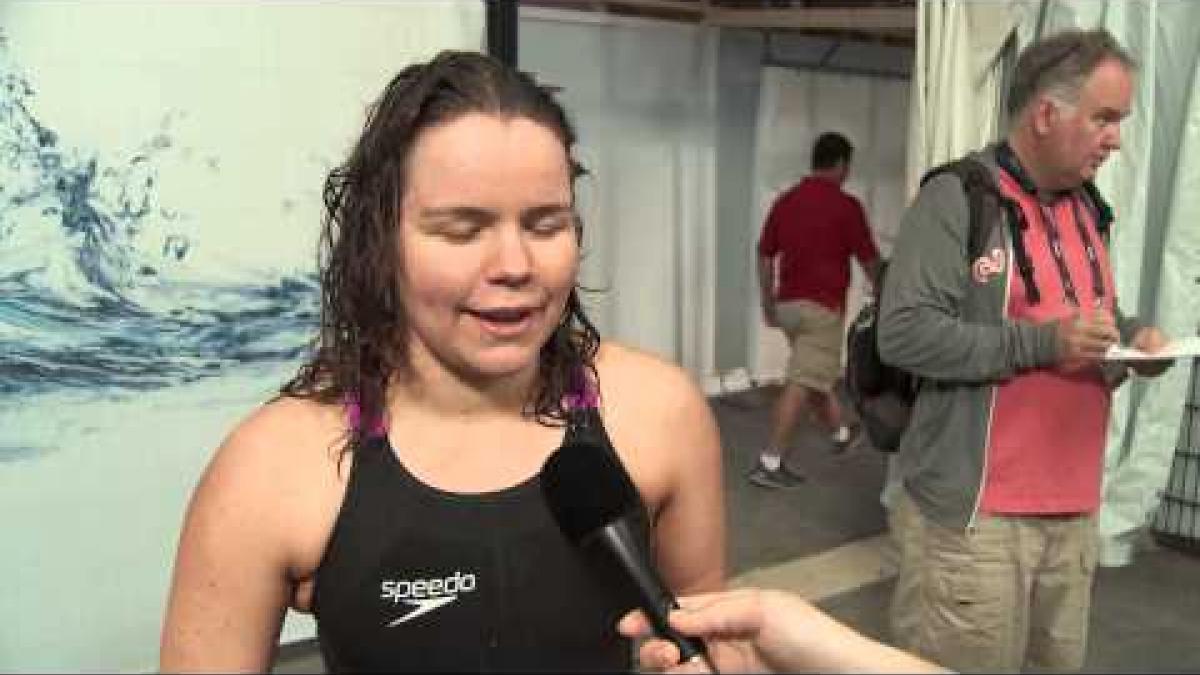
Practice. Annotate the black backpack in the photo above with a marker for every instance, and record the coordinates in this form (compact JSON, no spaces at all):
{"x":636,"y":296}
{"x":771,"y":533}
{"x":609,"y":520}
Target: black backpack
{"x":883,"y":395}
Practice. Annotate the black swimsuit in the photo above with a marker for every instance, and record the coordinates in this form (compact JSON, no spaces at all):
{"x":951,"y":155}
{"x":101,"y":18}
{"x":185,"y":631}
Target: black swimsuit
{"x":418,"y":579}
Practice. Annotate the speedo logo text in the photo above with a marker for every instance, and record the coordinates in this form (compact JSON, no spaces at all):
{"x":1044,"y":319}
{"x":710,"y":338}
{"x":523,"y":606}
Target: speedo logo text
{"x":424,"y":595}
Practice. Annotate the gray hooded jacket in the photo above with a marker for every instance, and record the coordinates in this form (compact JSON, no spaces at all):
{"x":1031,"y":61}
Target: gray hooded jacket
{"x":940,"y":323}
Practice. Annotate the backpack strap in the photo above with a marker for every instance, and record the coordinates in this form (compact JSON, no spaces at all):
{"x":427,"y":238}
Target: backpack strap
{"x":979,"y":189}
{"x":988,"y":207}
{"x":1102,"y":213}
{"x":1020,"y":256}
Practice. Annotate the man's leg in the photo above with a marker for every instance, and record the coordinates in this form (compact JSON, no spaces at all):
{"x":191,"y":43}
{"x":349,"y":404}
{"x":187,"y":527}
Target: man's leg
{"x":961,"y":596}
{"x":790,"y":406}
{"x":771,"y":470}
{"x":825,"y":343}
{"x":904,"y":613}
{"x":794,"y":399}
{"x":829,"y":410}
{"x":1062,"y":596}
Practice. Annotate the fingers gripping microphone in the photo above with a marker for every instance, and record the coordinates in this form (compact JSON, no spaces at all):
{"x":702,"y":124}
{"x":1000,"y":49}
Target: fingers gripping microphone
{"x":594,"y":502}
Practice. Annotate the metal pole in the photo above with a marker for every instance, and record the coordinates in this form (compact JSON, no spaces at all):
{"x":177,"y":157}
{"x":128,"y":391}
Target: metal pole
{"x":502,"y":30}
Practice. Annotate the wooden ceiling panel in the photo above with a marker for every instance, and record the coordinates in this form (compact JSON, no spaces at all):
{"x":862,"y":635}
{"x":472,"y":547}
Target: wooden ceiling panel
{"x":891,"y":21}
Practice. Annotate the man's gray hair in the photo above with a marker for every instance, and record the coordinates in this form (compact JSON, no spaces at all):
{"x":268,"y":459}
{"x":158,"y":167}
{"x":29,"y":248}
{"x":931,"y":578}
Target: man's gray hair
{"x":1060,"y":64}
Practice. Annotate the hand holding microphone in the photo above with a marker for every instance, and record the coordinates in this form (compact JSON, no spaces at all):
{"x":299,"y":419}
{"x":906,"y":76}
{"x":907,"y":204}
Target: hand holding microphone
{"x":594,"y":503}
{"x":753,"y":630}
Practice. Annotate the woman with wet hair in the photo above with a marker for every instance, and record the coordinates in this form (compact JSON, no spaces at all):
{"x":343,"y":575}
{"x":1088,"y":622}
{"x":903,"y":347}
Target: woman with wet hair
{"x":393,"y":488}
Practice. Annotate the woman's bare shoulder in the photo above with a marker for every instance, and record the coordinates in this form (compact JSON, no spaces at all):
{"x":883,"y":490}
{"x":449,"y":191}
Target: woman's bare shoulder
{"x":651,"y":407}
{"x":286,"y":451}
{"x":255,"y":527}
{"x":286,"y":437}
{"x":290,"y":417}
{"x":664,"y":430}
{"x":633,"y":377}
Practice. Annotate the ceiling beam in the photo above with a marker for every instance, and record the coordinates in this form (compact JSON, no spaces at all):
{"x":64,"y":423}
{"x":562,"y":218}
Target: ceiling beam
{"x":896,"y":22}
{"x":827,"y":18}
{"x":690,"y":8}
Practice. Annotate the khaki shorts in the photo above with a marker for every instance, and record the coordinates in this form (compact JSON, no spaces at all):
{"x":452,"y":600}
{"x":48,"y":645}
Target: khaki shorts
{"x":816,"y":335}
{"x":1011,"y":594}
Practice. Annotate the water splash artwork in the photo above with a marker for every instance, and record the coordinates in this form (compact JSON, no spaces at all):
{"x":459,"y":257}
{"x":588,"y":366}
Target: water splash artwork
{"x":100,"y":287}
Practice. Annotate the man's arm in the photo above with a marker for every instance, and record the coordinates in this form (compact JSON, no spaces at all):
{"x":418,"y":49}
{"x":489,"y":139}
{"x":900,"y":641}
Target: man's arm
{"x":873,"y":269}
{"x":863,"y":246}
{"x":920,"y":325}
{"x":766,"y":289}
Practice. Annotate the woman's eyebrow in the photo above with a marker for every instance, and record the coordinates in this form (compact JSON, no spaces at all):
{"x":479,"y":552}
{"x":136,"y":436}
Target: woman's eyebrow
{"x":474,"y":214}
{"x":543,"y":210}
{"x":481,"y":214}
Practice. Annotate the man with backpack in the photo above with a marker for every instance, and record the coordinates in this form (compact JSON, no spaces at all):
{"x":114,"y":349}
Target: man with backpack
{"x":812,"y":232}
{"x":1000,"y":300}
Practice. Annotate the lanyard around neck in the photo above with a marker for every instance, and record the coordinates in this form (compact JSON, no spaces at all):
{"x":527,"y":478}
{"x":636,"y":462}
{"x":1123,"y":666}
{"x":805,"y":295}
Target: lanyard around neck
{"x":1060,"y":259}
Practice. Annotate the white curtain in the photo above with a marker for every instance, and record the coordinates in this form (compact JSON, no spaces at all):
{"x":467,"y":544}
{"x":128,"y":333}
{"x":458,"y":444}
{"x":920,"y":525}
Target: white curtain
{"x":219,"y":119}
{"x":795,"y":107}
{"x":956,"y":80}
{"x":642,"y":98}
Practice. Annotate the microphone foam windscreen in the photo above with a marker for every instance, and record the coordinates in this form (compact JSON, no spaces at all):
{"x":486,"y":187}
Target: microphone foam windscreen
{"x":586,"y":488}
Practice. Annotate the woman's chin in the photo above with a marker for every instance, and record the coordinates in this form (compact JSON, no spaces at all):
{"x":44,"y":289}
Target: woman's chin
{"x":504,"y":363}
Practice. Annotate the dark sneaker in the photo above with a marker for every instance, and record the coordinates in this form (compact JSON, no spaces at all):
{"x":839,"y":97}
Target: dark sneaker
{"x":779,"y":479}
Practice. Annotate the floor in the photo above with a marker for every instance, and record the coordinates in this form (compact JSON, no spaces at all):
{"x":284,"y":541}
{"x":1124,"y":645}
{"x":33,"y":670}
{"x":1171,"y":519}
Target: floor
{"x":827,"y":541}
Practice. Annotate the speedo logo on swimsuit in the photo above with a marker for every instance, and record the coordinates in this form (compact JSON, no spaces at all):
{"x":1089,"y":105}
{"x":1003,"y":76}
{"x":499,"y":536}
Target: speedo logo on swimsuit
{"x":424,"y":595}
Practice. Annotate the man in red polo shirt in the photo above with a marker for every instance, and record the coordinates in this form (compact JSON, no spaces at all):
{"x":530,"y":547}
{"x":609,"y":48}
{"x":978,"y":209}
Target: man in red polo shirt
{"x":812,"y":232}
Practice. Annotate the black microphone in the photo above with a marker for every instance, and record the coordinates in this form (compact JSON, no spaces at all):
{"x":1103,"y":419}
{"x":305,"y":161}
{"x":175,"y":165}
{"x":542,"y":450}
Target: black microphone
{"x":594,"y":502}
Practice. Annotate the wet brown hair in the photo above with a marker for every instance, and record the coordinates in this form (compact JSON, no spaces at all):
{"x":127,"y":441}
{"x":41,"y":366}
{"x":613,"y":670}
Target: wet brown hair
{"x":363,"y":329}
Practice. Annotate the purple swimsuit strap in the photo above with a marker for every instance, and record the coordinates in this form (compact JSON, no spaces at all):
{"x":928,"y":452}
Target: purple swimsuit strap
{"x":354,"y":418}
{"x":583,"y":394}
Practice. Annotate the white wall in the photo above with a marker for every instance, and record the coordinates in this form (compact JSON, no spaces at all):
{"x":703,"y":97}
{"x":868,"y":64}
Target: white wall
{"x":739,"y":80}
{"x":642,"y":98}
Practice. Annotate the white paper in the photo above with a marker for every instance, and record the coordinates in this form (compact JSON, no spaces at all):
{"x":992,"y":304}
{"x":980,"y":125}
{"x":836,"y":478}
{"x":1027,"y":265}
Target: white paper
{"x":1187,"y":347}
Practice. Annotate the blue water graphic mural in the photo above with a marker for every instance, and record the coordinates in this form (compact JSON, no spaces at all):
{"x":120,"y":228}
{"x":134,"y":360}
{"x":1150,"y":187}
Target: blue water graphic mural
{"x":98,"y":289}
{"x":161,"y":169}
